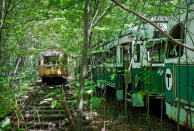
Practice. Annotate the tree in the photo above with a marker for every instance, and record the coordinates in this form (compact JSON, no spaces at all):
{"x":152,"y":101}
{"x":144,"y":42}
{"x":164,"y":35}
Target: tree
{"x":89,"y":24}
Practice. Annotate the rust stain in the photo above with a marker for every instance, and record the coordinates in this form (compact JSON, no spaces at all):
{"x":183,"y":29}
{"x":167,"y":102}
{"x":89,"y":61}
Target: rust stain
{"x":172,"y":110}
{"x":51,"y":72}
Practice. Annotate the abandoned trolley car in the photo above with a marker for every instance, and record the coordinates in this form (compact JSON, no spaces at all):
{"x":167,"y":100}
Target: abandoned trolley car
{"x":179,"y":67}
{"x":53,"y":66}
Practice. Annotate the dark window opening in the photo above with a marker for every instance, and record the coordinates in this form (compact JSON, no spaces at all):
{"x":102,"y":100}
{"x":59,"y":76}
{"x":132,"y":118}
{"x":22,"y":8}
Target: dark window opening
{"x":93,"y":59}
{"x":157,"y":34}
{"x":111,"y":55}
{"x":173,"y":49}
{"x":127,"y":52}
{"x":51,"y":60}
{"x":156,"y":53}
{"x":137,"y":53}
{"x":99,"y":58}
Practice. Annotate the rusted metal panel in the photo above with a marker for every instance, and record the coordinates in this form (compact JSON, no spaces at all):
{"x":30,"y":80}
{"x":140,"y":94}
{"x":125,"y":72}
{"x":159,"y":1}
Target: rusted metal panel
{"x":52,"y":72}
{"x":184,"y":119}
{"x":119,"y":95}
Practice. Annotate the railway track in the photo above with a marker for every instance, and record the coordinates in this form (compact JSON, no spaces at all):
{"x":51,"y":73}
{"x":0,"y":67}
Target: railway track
{"x":44,"y":110}
{"x":37,"y":113}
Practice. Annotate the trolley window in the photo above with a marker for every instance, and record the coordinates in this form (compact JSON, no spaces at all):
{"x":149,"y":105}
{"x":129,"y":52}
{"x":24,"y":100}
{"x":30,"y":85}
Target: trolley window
{"x":101,"y":58}
{"x":137,"y":53}
{"x":51,"y":60}
{"x":111,"y":55}
{"x":126,"y":52}
{"x":157,"y":34}
{"x":173,"y":49}
{"x":156,"y":53}
{"x":98,"y":57}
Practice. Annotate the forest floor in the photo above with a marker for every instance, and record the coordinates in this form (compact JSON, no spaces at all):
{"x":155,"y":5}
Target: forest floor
{"x":110,"y":117}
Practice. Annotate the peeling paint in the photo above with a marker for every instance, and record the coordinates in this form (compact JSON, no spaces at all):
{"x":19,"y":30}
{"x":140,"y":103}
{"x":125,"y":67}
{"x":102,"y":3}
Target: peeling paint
{"x":51,"y":72}
{"x":119,"y":95}
{"x":184,"y":119}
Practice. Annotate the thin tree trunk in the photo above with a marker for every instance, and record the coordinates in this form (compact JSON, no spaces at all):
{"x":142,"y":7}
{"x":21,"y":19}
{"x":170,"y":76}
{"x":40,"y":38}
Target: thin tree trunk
{"x":66,"y":108}
{"x":83,"y":64}
{"x":2,"y":17}
{"x":16,"y":68}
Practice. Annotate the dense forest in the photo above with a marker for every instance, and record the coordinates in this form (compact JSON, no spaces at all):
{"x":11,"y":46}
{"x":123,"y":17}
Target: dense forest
{"x":91,"y":33}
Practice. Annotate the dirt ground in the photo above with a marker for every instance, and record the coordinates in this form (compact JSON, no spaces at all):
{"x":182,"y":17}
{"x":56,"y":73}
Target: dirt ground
{"x":110,"y":117}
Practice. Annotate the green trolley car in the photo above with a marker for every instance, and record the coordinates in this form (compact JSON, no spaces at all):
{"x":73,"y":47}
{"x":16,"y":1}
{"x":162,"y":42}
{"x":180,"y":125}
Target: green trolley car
{"x":121,"y":61}
{"x":179,"y":67}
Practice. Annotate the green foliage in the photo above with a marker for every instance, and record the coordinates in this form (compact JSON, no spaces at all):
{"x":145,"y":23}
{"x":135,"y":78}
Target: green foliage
{"x":113,"y":76}
{"x":109,"y":60}
{"x":5,"y":124}
{"x":56,"y":92}
{"x":129,"y":94}
{"x":7,"y":101}
{"x":62,"y":96}
{"x":95,"y":101}
{"x":140,"y":95}
{"x":96,"y":51}
{"x":73,"y":103}
{"x":3,"y":83}
{"x":101,"y":28}
{"x":90,"y":89}
{"x":54,"y":104}
{"x":88,"y":82}
{"x":9,"y":97}
{"x":101,"y":81}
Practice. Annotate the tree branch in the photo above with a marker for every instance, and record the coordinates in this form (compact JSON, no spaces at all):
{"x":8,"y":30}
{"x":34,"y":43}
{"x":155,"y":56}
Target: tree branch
{"x":95,"y":15}
{"x":103,"y":14}
{"x":15,"y":5}
{"x":158,"y":28}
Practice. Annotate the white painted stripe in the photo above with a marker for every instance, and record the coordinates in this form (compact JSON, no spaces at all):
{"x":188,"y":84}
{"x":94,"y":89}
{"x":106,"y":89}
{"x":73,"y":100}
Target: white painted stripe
{"x":158,"y":64}
{"x":110,"y":84}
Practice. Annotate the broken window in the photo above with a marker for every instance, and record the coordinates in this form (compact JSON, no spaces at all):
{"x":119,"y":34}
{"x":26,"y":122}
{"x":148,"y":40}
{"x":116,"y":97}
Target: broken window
{"x":175,"y":50}
{"x":51,"y":60}
{"x":111,"y":55}
{"x":126,"y":52}
{"x":156,"y":53}
{"x":136,"y":53}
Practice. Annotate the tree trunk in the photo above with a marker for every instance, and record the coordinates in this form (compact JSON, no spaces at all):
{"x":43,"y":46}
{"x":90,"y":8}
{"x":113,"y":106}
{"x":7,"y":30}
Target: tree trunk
{"x":83,"y":64}
{"x":2,"y":17}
